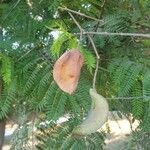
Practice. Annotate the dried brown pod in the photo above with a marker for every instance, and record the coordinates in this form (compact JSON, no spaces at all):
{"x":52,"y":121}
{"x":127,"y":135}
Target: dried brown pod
{"x":96,"y":118}
{"x":66,"y":71}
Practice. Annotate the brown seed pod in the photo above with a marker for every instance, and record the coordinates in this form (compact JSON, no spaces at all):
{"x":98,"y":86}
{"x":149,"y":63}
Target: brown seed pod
{"x":66,"y":71}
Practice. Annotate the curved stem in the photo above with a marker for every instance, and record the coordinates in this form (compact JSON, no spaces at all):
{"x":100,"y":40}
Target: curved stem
{"x":95,"y":74}
{"x":97,"y":61}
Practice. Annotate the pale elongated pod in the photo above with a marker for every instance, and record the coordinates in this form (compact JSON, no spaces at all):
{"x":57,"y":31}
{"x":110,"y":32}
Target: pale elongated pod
{"x":97,"y":116}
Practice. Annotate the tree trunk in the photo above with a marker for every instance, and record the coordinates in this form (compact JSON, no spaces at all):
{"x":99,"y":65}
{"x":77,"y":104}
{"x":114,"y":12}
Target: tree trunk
{"x":2,"y":132}
{"x":3,"y":121}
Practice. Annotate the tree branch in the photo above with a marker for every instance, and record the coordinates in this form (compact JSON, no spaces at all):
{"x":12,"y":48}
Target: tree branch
{"x":94,"y":47}
{"x":80,"y":28}
{"x":78,"y":13}
{"x":118,"y":34}
{"x":12,"y":9}
{"x":97,"y":62}
{"x":128,"y":98}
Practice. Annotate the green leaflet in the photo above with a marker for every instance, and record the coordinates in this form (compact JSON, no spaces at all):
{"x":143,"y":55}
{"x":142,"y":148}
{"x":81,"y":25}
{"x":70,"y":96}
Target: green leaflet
{"x":63,"y":38}
{"x":5,"y":68}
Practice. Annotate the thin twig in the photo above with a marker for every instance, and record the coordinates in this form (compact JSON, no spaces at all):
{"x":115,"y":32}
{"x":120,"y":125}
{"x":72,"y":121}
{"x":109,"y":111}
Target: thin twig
{"x":12,"y":9}
{"x":128,"y":98}
{"x":24,"y":55}
{"x":78,"y":13}
{"x":95,"y":74}
{"x":97,"y":62}
{"x":80,"y":28}
{"x":118,"y":34}
{"x":94,"y":47}
{"x":81,"y":37}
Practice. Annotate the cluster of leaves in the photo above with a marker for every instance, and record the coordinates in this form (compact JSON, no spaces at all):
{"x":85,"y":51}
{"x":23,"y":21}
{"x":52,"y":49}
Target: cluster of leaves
{"x":6,"y":68}
{"x":58,"y":136}
{"x":7,"y":85}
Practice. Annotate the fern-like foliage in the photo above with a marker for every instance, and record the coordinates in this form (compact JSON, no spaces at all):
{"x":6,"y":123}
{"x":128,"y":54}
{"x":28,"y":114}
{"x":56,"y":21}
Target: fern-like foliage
{"x":7,"y":98}
{"x":5,"y":68}
{"x":39,"y":86}
{"x":137,"y":104}
{"x":58,"y":136}
{"x":56,"y":49}
{"x":146,"y":84}
{"x":27,"y":38}
{"x":117,"y":22}
{"x":44,"y":96}
{"x":124,"y":73}
{"x":89,"y":59}
{"x":130,"y":78}
{"x":139,"y":140}
{"x":126,"y":82}
{"x":146,"y":119}
{"x":63,"y":37}
{"x":20,"y":137}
